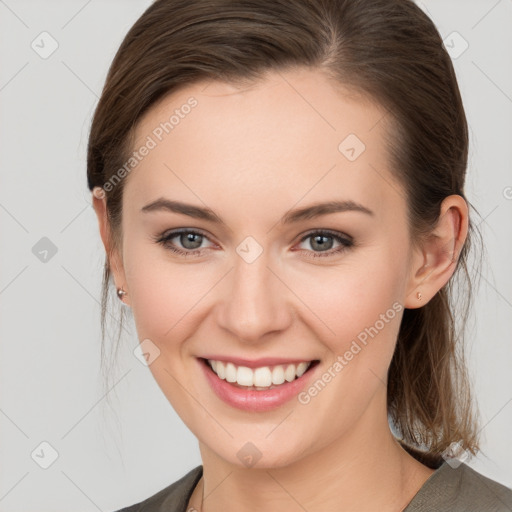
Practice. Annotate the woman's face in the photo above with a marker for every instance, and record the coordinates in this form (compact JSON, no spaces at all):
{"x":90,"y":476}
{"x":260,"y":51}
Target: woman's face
{"x":259,"y":280}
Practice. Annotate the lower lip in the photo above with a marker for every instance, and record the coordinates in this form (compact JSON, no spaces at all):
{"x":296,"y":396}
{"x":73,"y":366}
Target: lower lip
{"x":254,"y":400}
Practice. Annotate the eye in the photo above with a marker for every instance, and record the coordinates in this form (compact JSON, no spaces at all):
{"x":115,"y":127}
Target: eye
{"x":322,"y":241}
{"x":191,"y":240}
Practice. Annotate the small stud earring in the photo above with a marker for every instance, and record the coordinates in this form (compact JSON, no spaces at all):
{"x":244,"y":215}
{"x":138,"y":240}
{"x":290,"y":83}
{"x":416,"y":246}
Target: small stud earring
{"x":418,"y":295}
{"x":121,"y":293}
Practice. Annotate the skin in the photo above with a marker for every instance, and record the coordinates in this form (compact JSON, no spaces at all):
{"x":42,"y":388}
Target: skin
{"x":251,"y":153}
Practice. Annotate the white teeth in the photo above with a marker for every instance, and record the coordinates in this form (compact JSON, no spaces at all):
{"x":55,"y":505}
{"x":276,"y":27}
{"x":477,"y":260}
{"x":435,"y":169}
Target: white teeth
{"x":278,"y":375}
{"x":230,"y":372}
{"x":221,"y":370}
{"x":244,"y":376}
{"x":301,"y":368}
{"x":261,"y":378}
{"x":289,"y":373}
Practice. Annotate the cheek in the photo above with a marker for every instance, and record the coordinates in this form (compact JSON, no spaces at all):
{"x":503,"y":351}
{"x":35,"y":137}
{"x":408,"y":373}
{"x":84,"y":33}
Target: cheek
{"x":161,"y":292}
{"x":355,"y":309}
{"x":168,"y":304}
{"x":348,"y":298}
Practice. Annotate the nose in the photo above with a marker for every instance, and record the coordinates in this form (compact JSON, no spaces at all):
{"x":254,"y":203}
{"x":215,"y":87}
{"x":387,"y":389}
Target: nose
{"x":255,"y":302}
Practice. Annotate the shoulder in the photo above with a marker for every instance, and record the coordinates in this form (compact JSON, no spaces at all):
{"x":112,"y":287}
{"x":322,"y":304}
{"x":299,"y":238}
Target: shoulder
{"x":460,"y":489}
{"x":174,"y":498}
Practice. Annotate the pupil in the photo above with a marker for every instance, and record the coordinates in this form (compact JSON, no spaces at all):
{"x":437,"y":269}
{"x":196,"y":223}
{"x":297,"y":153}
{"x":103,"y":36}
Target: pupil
{"x":189,"y":238}
{"x":321,"y":245}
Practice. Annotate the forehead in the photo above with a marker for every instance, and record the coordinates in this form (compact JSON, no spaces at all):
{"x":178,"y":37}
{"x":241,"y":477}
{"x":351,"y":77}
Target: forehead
{"x":291,"y":133}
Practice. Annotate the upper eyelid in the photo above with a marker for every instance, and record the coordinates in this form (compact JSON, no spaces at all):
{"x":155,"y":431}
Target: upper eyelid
{"x":328,"y":232}
{"x":178,"y":231}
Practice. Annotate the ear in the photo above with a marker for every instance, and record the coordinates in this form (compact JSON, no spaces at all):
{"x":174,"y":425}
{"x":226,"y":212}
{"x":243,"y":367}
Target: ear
{"x":99,"y":203}
{"x":434,"y":262}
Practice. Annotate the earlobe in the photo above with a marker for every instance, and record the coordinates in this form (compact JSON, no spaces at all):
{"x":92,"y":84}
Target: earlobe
{"x":100,"y":207}
{"x":436,"y":262}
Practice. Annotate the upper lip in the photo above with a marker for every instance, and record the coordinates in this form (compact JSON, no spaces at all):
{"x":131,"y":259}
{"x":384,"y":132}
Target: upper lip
{"x":256,"y":363}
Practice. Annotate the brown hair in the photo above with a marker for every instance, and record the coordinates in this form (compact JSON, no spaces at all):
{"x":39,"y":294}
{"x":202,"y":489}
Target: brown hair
{"x":387,"y":50}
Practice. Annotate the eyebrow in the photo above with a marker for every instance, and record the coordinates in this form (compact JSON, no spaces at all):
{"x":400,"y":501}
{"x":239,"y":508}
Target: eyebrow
{"x":292,"y":216}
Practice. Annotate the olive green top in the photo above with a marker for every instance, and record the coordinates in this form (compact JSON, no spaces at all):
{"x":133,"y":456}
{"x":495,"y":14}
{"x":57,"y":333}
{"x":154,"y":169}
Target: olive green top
{"x":448,"y":489}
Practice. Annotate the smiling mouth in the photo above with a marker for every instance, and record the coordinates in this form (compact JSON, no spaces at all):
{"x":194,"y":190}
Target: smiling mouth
{"x":261,"y":378}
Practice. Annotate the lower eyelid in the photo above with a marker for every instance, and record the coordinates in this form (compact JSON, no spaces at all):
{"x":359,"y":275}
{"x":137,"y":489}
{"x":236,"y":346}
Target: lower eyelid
{"x":344,"y":245}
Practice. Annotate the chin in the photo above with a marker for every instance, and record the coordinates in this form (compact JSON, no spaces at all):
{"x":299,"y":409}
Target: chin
{"x":260,"y":453}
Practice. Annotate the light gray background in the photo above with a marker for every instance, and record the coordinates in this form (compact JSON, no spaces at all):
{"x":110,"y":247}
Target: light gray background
{"x":50,"y":383}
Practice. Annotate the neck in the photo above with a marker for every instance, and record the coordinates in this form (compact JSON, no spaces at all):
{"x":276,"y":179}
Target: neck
{"x":364,"y":469}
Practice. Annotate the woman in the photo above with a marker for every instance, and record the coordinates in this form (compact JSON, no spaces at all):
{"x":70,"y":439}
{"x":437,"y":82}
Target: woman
{"x":279,"y":187}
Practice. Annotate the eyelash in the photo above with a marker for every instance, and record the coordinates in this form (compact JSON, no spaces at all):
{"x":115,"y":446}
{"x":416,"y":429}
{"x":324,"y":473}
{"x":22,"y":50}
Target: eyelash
{"x":346,"y":243}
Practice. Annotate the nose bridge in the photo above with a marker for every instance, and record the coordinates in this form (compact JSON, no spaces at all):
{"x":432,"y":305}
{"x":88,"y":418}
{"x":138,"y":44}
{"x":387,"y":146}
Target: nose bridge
{"x":255,"y":301}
